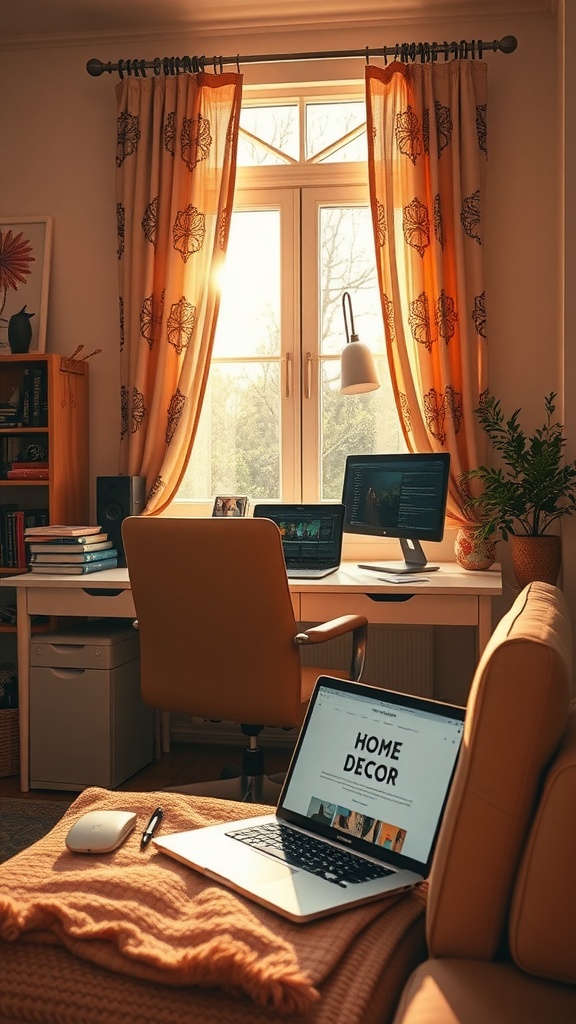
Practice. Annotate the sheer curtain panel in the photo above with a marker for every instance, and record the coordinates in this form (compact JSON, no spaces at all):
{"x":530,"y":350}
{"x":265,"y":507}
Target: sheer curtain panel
{"x":427,"y":156}
{"x":176,"y":166}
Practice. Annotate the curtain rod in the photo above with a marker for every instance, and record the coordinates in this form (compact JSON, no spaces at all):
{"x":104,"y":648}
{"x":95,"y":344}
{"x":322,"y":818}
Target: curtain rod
{"x":405,"y":52}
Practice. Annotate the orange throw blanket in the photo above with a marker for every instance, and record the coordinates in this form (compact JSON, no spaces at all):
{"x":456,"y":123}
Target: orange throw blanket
{"x":140,"y":913}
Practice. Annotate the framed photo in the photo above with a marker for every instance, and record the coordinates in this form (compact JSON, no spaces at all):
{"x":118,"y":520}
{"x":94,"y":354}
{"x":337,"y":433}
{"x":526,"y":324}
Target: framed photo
{"x":230,"y":505}
{"x":25,"y":253}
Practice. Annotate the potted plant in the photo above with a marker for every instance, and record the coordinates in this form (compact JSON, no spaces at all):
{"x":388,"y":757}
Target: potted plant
{"x":528,"y":492}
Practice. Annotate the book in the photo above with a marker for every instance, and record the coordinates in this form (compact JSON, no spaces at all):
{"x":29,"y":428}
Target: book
{"x":37,"y":402}
{"x":62,"y":531}
{"x":36,"y":464}
{"x":49,"y":570}
{"x":19,"y":538}
{"x":50,"y":558}
{"x":27,"y":474}
{"x":73,"y":544}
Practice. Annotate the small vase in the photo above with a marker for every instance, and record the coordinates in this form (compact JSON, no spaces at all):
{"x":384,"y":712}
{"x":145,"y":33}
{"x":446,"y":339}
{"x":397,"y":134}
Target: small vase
{"x":474,"y":552}
{"x":536,"y":558}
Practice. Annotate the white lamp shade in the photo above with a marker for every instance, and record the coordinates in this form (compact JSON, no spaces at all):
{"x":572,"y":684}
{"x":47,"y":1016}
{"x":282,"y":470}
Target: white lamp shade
{"x":357,"y":369}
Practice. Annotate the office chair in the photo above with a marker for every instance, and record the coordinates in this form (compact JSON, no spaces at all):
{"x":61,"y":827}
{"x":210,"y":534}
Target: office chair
{"x":218,"y":635}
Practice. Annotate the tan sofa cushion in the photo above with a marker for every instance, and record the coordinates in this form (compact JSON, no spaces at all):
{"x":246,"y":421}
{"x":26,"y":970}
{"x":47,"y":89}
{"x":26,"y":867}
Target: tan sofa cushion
{"x":467,"y":992}
{"x":543,"y":917}
{"x":516,"y":714}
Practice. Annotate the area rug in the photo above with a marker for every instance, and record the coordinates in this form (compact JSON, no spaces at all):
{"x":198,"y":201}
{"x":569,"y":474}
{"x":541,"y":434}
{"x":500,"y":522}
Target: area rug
{"x":23,"y":822}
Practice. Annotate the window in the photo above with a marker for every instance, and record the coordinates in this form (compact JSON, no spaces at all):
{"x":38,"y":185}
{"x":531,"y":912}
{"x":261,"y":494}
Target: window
{"x":274,"y":425}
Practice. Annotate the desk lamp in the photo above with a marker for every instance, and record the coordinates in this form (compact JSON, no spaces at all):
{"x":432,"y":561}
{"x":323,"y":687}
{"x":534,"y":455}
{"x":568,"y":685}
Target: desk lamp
{"x":357,"y":368}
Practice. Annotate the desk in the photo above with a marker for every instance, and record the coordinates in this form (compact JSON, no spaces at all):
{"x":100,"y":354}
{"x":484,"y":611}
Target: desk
{"x":449,"y":597}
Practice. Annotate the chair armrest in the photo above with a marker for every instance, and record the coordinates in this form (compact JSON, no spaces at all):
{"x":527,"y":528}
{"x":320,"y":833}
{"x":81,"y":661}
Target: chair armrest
{"x":355,"y":624}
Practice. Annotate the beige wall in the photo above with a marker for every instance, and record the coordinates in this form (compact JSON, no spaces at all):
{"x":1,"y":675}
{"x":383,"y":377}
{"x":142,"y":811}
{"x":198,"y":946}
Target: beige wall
{"x":57,"y":126}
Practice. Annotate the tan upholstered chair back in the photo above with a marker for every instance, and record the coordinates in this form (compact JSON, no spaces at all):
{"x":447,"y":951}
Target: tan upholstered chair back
{"x":216,"y":620}
{"x":517,"y":712}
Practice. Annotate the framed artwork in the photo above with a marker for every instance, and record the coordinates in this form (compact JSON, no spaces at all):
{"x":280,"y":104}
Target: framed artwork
{"x":230,"y":505}
{"x":25,"y":253}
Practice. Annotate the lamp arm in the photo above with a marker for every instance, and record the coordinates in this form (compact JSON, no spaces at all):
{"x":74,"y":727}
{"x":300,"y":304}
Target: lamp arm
{"x":350,"y":331}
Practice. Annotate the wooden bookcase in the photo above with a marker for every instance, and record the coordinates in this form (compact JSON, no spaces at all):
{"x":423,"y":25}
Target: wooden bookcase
{"x":57,"y":425}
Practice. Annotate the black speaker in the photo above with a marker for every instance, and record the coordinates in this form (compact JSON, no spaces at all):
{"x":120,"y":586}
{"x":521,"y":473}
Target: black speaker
{"x":118,"y":497}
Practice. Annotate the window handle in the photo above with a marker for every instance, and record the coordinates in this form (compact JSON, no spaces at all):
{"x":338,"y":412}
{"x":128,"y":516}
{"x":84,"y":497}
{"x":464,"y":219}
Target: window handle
{"x":308,"y":392}
{"x":288,"y":382}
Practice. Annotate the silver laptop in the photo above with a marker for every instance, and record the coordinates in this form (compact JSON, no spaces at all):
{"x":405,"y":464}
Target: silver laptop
{"x":358,"y":813}
{"x":311,"y":537}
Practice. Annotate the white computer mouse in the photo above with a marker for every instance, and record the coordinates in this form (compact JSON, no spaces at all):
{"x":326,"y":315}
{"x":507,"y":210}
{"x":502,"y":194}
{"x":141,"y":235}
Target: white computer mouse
{"x":100,"y":831}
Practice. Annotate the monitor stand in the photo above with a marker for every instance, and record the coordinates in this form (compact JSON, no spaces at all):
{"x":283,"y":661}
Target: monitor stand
{"x":414,"y":560}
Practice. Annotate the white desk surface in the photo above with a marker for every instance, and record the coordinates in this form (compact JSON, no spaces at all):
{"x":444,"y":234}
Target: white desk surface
{"x":450,"y":579}
{"x":449,"y":596}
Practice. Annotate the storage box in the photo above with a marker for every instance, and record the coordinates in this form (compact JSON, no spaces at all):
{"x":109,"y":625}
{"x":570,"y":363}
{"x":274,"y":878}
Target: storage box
{"x":100,"y":644}
{"x":88,"y":723}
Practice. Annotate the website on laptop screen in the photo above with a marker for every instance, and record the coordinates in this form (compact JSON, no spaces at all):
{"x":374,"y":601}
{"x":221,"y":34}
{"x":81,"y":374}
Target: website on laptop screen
{"x":375,"y":770}
{"x":309,"y":538}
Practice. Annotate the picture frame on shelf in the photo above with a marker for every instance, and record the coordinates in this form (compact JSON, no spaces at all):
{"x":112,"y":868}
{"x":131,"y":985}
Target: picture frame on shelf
{"x":25,"y":257}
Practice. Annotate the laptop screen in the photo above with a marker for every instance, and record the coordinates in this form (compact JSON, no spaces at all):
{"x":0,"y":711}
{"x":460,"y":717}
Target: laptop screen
{"x":372,"y":769}
{"x":311,"y":534}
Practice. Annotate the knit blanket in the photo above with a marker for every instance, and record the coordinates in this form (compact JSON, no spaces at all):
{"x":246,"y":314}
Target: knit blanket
{"x":138,"y":912}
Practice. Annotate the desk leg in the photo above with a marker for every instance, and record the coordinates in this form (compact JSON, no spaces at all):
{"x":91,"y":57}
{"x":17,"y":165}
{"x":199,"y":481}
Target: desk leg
{"x":23,"y":647}
{"x":161,"y":733}
{"x":165,"y":730}
{"x":484,"y":622}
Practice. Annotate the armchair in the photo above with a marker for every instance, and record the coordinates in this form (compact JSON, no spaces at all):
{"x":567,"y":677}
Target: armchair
{"x":218,"y":634}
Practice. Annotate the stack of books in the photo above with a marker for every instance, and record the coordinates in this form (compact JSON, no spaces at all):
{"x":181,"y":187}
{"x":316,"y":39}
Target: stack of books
{"x":20,"y":470}
{"x":70,"y":549}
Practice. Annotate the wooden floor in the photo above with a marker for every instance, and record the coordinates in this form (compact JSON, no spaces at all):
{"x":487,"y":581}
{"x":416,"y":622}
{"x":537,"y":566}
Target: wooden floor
{"x":186,"y":763}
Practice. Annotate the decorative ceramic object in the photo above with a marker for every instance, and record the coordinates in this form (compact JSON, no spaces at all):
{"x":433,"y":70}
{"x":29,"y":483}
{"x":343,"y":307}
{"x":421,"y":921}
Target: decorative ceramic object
{"x":20,"y":332}
{"x":473,"y":551}
{"x":536,"y":558}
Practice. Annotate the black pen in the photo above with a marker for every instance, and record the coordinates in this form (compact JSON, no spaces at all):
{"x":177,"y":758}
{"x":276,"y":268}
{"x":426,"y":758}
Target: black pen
{"x":152,"y":826}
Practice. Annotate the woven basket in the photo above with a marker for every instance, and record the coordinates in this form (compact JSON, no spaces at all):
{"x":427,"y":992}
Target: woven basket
{"x":9,"y":742}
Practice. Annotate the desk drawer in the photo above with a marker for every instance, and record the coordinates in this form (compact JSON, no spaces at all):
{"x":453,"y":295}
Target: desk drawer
{"x":416,"y":610}
{"x":54,"y":601}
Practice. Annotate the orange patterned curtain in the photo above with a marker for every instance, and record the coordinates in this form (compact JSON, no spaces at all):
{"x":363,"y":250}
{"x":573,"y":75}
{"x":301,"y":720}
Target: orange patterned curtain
{"x":427,"y":170}
{"x":176,"y":166}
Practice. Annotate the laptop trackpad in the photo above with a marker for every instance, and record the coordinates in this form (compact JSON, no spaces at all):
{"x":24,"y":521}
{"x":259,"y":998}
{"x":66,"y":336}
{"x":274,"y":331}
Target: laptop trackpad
{"x":270,"y":870}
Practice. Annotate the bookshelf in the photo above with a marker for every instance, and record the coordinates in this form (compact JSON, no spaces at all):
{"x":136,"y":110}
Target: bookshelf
{"x":43,"y":421}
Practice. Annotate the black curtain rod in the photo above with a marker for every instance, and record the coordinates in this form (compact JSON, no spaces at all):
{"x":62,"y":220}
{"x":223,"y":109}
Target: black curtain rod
{"x":405,"y":52}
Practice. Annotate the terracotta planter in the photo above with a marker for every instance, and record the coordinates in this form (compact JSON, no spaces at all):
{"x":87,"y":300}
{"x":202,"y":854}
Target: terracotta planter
{"x":473,"y":552}
{"x":536,"y":558}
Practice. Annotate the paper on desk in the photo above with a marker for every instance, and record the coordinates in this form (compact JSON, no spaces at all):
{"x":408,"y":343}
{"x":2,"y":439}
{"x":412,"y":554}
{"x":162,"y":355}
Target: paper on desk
{"x":393,"y":578}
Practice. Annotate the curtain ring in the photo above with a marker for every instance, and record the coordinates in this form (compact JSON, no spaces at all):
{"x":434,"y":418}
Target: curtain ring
{"x":385,"y":55}
{"x":367,"y":56}
{"x":238,"y":63}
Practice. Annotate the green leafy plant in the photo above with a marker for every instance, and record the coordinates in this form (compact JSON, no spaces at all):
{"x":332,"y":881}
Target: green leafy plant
{"x":534,"y":486}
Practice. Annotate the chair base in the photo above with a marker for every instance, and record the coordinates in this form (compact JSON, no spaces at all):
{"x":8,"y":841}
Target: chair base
{"x":251,"y":789}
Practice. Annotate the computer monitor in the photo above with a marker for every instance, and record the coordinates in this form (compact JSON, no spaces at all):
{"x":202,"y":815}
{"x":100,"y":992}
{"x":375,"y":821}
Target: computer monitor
{"x":401,"y":496}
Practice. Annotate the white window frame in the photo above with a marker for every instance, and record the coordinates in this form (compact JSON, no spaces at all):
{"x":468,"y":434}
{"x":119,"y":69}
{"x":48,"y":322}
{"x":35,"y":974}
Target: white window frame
{"x":298,"y":190}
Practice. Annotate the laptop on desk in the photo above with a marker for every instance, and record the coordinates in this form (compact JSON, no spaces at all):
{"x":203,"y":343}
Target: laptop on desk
{"x":359,"y":811}
{"x":311,"y":537}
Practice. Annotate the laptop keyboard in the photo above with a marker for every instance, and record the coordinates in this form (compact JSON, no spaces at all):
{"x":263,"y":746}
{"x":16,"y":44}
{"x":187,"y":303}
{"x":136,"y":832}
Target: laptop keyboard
{"x":310,"y":854}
